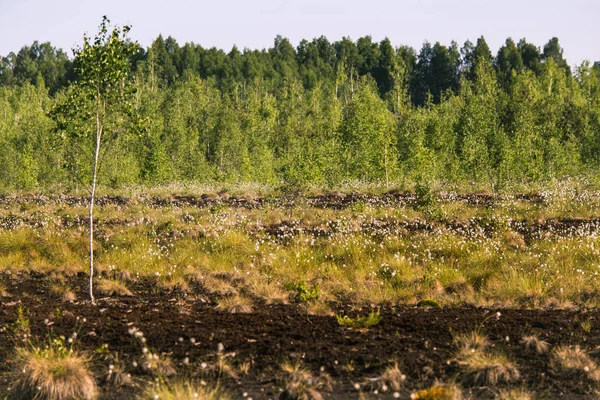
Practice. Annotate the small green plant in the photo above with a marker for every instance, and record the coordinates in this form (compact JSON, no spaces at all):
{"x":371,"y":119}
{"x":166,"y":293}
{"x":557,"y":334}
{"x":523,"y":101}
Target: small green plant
{"x":21,"y":327}
{"x":428,"y":303}
{"x":373,"y":319}
{"x":304,"y":294}
{"x":587,"y":326}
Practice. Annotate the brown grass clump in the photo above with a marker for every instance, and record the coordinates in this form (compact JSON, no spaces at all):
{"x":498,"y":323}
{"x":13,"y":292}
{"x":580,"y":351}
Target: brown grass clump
{"x":51,"y":373}
{"x":62,"y":290}
{"x":218,"y":286}
{"x":489,"y":368}
{"x":318,"y":308}
{"x":271,"y":293}
{"x":183,"y":390}
{"x":469,"y":343}
{"x":299,"y":384}
{"x":515,"y":394}
{"x":533,"y":343}
{"x":113,"y":287}
{"x":575,"y":361}
{"x":3,"y":291}
{"x":236,"y":304}
{"x":175,"y":283}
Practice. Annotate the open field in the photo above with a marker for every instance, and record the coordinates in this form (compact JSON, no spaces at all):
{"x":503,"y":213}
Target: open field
{"x":326,"y":295}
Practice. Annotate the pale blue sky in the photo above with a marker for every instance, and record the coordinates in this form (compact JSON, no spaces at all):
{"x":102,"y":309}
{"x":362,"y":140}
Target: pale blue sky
{"x":254,"y":24}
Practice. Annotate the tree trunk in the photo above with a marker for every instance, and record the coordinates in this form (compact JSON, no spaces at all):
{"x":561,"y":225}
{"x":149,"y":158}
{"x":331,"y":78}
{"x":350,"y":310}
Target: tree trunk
{"x":94,"y":178}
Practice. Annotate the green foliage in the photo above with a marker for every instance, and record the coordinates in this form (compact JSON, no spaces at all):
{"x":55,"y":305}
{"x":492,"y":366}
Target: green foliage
{"x":373,"y":319}
{"x":21,"y":328}
{"x":428,"y":303}
{"x":319,"y":115}
{"x":304,"y":293}
{"x":425,"y":199}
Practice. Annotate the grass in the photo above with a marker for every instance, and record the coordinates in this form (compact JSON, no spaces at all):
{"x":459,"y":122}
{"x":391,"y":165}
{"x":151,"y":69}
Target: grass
{"x":574,"y":361}
{"x":51,"y":372}
{"x":375,"y":253}
{"x":438,"y":392}
{"x":533,"y":343}
{"x":392,"y":378}
{"x":515,"y":394}
{"x":489,"y":368}
{"x":113,"y":287}
{"x":236,"y":304}
{"x":368,"y":321}
{"x":298,"y":383}
{"x":381,"y":253}
{"x":183,"y":390}
{"x":471,"y":342}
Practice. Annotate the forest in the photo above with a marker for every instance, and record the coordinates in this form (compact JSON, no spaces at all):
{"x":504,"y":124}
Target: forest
{"x":322,"y":114}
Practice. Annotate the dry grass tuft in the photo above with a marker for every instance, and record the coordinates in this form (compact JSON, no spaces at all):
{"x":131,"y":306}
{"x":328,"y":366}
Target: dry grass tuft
{"x":52,"y":373}
{"x":471,"y":342}
{"x":299,"y":384}
{"x":3,"y":291}
{"x":63,"y":291}
{"x":113,"y":287}
{"x":515,"y":394}
{"x":218,"y":286}
{"x":177,"y":283}
{"x":183,"y":391}
{"x":236,"y":304}
{"x":392,"y":378}
{"x":575,"y":361}
{"x":489,"y":368}
{"x":270,"y":292}
{"x":158,"y":365}
{"x":318,"y":308}
{"x":533,"y":343}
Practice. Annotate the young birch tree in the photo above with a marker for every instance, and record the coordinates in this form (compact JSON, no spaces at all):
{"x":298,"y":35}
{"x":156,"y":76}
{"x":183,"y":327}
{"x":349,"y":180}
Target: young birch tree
{"x":98,"y":108}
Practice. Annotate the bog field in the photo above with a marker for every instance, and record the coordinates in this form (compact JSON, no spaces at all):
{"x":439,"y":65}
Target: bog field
{"x":250,"y":294}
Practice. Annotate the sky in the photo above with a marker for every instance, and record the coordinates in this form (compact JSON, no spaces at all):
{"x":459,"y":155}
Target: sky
{"x":255,"y":23}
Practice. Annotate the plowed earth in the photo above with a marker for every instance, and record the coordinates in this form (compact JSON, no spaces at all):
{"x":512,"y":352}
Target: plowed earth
{"x":189,"y":326}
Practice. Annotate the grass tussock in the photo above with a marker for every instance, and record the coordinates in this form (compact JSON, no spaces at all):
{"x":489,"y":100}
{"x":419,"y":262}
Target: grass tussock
{"x":113,"y":287}
{"x":574,"y":361}
{"x":51,"y":373}
{"x":183,"y":390}
{"x":221,"y":287}
{"x":236,"y":304}
{"x":470,"y":342}
{"x":392,"y":378}
{"x":533,"y":344}
{"x":270,"y":292}
{"x":298,"y":383}
{"x":158,"y":365}
{"x":3,"y":291}
{"x":373,"y":319}
{"x":318,"y":308}
{"x":62,"y":290}
{"x":515,"y":394}
{"x":489,"y":368}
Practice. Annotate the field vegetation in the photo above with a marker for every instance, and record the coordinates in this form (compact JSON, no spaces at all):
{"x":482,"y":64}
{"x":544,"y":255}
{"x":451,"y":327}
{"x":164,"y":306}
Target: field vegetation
{"x":354,"y":263}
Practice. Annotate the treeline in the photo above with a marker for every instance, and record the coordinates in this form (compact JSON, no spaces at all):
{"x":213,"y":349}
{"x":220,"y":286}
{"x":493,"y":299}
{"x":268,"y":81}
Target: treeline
{"x":322,"y":113}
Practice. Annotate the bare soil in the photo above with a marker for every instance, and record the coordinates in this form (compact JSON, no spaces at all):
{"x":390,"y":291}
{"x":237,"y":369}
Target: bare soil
{"x":188,"y":326}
